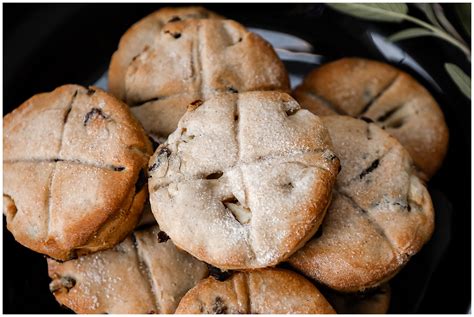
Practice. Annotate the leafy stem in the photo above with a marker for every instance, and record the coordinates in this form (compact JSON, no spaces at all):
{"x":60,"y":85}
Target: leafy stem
{"x":396,"y":12}
{"x":440,"y":33}
{"x":441,"y":28}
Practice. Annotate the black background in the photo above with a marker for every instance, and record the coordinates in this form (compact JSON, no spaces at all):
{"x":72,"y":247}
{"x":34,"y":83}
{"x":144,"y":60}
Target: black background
{"x":48,"y":45}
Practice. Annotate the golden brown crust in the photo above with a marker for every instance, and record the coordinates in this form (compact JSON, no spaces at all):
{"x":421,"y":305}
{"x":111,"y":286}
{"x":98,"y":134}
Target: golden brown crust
{"x":142,"y":34}
{"x":391,"y":98}
{"x":145,"y":273}
{"x":253,"y":170}
{"x":266,"y":291}
{"x":119,"y":226}
{"x":381,"y":213}
{"x":88,"y":156}
{"x":195,"y":59}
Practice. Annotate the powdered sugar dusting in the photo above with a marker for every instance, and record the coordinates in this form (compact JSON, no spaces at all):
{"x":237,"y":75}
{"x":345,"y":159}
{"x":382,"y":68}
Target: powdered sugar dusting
{"x":372,"y":226}
{"x":140,"y":275}
{"x":274,"y":160}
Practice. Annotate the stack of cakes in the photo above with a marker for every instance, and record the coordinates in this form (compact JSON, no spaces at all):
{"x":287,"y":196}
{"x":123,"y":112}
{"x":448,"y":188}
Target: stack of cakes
{"x":197,"y":184}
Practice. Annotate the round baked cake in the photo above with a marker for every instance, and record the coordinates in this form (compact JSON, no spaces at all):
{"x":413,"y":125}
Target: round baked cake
{"x":193,"y":59}
{"x":244,"y":181}
{"x":144,"y":274}
{"x":380,"y":215}
{"x":74,"y":171}
{"x":391,"y":98}
{"x":141,"y":35}
{"x":267,"y":291}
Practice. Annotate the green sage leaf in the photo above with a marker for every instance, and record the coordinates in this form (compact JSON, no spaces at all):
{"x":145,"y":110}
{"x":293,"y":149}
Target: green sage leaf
{"x":410,"y":33}
{"x":463,"y":10}
{"x":460,"y":78}
{"x":427,"y":9}
{"x":386,"y":12}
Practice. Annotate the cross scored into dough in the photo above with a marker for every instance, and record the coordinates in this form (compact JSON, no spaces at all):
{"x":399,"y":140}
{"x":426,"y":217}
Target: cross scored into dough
{"x":71,"y":162}
{"x":266,"y":291}
{"x":196,"y":59}
{"x":389,"y":97}
{"x":380,"y":215}
{"x":141,"y":35}
{"x":244,"y":180}
{"x":138,"y":276}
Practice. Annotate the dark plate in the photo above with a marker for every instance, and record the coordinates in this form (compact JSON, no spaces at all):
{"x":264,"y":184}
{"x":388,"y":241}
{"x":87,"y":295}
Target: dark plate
{"x":46,"y":46}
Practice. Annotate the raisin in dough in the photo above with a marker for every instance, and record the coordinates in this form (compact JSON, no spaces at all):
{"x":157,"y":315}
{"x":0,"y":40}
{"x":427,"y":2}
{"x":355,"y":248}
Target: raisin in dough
{"x":391,"y":98}
{"x":142,"y":34}
{"x":74,"y":168}
{"x":381,"y":213}
{"x":374,"y":301}
{"x":145,"y":273}
{"x":244,"y":181}
{"x":192,"y":60}
{"x":267,"y":291}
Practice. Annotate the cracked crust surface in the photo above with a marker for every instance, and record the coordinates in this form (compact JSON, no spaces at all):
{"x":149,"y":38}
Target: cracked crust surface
{"x":376,"y":301}
{"x":74,"y":171}
{"x":394,"y":100}
{"x":381,"y":213}
{"x":192,"y":60}
{"x":143,"y":274}
{"x":244,"y":181}
{"x":266,"y":291}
